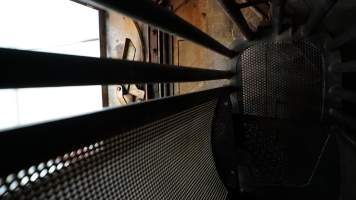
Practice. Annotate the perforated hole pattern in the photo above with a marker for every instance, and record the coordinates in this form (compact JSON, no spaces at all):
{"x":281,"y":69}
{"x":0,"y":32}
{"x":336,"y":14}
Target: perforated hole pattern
{"x":167,"y":159}
{"x":282,"y":79}
{"x":268,"y":154}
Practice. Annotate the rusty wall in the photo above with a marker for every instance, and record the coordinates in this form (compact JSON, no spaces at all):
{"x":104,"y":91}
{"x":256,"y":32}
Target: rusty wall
{"x":211,"y":19}
{"x":205,"y":15}
{"x":119,"y":28}
{"x":208,"y":17}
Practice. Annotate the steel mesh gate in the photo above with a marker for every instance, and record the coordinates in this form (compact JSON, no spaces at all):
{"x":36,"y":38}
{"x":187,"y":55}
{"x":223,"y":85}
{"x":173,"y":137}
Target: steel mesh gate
{"x":112,"y":154}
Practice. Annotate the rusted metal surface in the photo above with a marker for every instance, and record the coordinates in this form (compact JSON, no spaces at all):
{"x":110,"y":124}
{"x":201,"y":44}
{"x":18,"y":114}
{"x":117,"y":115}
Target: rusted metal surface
{"x":148,"y":12}
{"x":103,"y":52}
{"x":120,"y":28}
{"x":258,"y":12}
{"x":154,"y":57}
{"x":160,"y":45}
{"x":208,"y":16}
{"x":232,"y":9}
{"x":124,"y":41}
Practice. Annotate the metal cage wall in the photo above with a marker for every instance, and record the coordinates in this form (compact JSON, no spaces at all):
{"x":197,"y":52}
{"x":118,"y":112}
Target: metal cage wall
{"x":113,"y":154}
{"x":293,"y":76}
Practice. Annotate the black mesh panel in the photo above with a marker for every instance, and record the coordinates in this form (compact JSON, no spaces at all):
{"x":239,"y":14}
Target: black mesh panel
{"x":282,"y":79}
{"x":282,"y":94}
{"x":168,"y":159}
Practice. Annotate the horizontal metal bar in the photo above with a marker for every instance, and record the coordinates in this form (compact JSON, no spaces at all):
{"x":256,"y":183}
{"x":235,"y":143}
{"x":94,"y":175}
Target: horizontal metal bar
{"x":35,"y":69}
{"x":343,"y":118}
{"x":233,"y":11}
{"x":25,"y":146}
{"x":148,"y":12}
{"x":343,"y":94}
{"x":349,"y":66}
{"x":342,"y":39}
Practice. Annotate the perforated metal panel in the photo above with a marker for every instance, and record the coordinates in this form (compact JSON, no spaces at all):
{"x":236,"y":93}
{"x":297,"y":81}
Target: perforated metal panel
{"x":282,"y":93}
{"x":168,"y":159}
{"x":269,"y":159}
{"x":282,"y":79}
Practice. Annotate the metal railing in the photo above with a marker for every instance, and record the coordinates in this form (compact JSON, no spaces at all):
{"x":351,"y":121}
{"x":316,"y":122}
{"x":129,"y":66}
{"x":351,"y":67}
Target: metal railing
{"x":21,"y":69}
{"x":63,"y":70}
{"x":48,"y":69}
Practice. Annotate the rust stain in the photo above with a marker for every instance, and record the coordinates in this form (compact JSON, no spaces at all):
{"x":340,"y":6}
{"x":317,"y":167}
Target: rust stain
{"x":208,"y":17}
{"x":121,"y":27}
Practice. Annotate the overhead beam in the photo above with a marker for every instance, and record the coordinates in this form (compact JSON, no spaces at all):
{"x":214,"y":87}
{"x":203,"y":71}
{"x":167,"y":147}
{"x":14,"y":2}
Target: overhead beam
{"x":147,"y":11}
{"x":20,"y":69}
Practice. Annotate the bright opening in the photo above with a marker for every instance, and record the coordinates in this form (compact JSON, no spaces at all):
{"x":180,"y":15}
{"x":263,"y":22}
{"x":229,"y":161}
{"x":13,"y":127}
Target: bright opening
{"x":57,"y":26}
